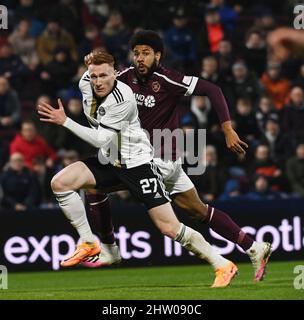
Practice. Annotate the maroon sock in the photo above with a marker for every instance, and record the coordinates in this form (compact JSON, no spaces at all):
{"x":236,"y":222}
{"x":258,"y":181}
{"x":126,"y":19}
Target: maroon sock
{"x":222,"y":224}
{"x":100,"y":217}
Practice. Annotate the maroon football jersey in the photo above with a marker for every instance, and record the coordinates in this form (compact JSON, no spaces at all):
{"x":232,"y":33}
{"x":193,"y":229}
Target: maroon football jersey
{"x":158,"y":98}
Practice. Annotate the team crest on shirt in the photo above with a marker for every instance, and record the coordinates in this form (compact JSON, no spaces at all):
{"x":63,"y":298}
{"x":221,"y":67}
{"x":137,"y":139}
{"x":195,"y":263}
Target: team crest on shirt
{"x":155,"y":86}
{"x":101,"y":111}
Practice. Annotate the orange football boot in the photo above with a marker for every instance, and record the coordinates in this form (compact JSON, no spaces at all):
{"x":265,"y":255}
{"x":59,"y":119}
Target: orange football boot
{"x":83,"y":251}
{"x":224,"y":275}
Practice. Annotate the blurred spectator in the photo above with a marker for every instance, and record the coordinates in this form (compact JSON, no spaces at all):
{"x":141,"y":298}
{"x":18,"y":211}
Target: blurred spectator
{"x":74,"y":110}
{"x":67,"y":13}
{"x":20,"y":186}
{"x":209,"y":69}
{"x":116,"y":37}
{"x":200,"y":107}
{"x":58,"y":73}
{"x":211,"y":183}
{"x":261,"y":190}
{"x":181,"y":42}
{"x":285,"y":42}
{"x":55,"y":136}
{"x":232,"y":191}
{"x":265,"y":22}
{"x":243,"y":84}
{"x":255,"y":52}
{"x":278,"y":142}
{"x":52,"y":37}
{"x":275,"y":85}
{"x":299,"y":81}
{"x":92,"y":39}
{"x":31,"y":145}
{"x":24,"y":45}
{"x":44,"y":176}
{"x":295,"y":171}
{"x":95,"y":11}
{"x":69,"y":157}
{"x":246,"y":124}
{"x":225,"y":57}
{"x":212,"y":32}
{"x":293,"y":115}
{"x":11,"y":66}
{"x":265,"y":166}
{"x":265,"y":112}
{"x":9,"y":105}
{"x":228,"y":14}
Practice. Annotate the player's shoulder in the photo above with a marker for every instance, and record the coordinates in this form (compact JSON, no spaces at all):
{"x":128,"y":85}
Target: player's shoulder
{"x":122,"y":92}
{"x":167,"y":74}
{"x":173,"y":77}
{"x":125,"y":72}
{"x":85,"y":80}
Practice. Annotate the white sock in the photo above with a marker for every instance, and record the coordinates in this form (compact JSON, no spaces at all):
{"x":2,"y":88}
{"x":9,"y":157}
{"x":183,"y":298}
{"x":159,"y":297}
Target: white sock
{"x":73,"y":208}
{"x":193,"y":241}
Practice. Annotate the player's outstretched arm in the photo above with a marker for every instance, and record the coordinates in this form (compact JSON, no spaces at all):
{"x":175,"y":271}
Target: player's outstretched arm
{"x":218,"y":101}
{"x":97,"y":138}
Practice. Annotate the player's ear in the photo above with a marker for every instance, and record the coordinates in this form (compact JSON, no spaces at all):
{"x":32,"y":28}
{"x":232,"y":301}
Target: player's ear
{"x":157,"y":56}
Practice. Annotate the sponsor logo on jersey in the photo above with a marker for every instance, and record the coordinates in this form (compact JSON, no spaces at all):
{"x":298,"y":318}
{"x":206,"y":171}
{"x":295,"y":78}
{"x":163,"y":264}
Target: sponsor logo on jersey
{"x":149,"y":101}
{"x":155,"y":86}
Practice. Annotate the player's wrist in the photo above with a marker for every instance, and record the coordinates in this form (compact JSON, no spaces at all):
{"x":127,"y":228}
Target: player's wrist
{"x":227,"y":127}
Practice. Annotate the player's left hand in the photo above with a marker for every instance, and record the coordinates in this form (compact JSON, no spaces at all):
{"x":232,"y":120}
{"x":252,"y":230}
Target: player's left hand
{"x":234,"y":143}
{"x":51,"y":114}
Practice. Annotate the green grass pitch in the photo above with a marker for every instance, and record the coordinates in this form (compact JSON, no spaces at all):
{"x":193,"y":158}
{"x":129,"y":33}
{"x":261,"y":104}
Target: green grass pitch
{"x":179,"y":282}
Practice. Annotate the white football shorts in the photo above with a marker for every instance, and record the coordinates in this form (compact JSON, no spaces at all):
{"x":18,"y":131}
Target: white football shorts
{"x":175,"y":178}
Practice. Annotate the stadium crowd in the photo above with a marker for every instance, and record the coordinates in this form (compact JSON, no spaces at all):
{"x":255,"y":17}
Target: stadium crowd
{"x":41,"y":58}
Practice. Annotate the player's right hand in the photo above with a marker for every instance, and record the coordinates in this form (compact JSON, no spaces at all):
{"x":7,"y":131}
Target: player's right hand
{"x":88,"y":59}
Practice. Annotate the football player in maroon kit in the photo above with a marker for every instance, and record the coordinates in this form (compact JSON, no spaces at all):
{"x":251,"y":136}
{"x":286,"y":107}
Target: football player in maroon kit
{"x":158,"y":91}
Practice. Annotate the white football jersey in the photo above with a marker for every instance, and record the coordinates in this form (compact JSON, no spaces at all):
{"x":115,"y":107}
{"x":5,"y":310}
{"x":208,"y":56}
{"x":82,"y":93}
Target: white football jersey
{"x":117,"y":111}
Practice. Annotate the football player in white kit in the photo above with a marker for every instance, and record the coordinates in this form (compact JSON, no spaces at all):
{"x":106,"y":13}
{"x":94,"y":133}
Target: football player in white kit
{"x":125,"y":152}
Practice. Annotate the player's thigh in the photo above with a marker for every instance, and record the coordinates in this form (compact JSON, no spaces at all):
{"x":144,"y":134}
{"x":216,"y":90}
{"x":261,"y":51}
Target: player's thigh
{"x":73,"y":177}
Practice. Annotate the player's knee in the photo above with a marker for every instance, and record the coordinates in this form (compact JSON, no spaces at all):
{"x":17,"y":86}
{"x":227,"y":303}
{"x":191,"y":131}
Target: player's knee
{"x":58,"y":185}
{"x":168,"y":230}
{"x":197,"y":210}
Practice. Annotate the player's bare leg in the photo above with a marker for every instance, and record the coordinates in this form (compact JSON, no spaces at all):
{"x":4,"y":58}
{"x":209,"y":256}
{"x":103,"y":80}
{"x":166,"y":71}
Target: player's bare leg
{"x":222,"y":224}
{"x":166,"y":221}
{"x":64,"y":184}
